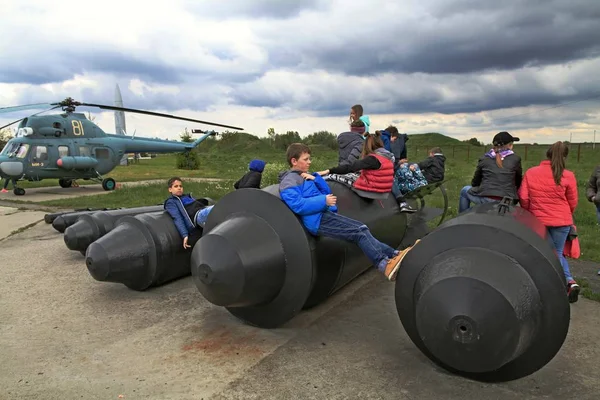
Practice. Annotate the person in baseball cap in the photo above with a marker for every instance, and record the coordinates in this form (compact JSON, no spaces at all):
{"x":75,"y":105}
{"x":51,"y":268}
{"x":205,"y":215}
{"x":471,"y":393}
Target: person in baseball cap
{"x":504,"y":138}
{"x":499,"y":174}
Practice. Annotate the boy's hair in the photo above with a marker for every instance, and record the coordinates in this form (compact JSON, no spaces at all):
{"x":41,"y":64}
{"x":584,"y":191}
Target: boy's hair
{"x":174,"y":179}
{"x":358,"y":123}
{"x":435,"y":150}
{"x":392,"y":130}
{"x":295,"y":150}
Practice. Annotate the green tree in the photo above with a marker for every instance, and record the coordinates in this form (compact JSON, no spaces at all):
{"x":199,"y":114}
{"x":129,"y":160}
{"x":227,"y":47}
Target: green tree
{"x":186,"y":136}
{"x":474,"y":142}
{"x":324,"y":138}
{"x":5,"y":135}
{"x":188,"y":159}
{"x":282,"y":141}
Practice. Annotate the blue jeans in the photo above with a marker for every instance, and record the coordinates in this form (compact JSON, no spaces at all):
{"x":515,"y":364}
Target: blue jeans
{"x":598,"y":212}
{"x":558,"y":235}
{"x":340,"y":227}
{"x":466,"y":198}
{"x":395,"y":190}
{"x":202,"y":215}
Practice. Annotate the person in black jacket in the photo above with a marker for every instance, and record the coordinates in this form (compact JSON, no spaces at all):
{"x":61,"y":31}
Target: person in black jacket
{"x":252,"y":178}
{"x":592,"y":190}
{"x":434,"y":166}
{"x":498,"y":174}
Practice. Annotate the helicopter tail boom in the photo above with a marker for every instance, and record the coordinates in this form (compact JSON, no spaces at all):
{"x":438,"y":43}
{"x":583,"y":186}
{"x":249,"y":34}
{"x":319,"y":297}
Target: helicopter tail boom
{"x":147,"y":145}
{"x":202,"y":138}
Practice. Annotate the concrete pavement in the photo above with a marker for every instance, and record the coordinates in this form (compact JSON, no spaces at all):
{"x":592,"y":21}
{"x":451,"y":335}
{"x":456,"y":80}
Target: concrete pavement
{"x":13,"y":220}
{"x":37,"y":195}
{"x":64,"y":335}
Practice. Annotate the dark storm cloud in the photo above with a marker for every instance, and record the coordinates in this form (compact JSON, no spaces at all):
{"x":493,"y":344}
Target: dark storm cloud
{"x":278,"y":9}
{"x":328,"y":95}
{"x":319,"y":58}
{"x":448,"y":37}
{"x":557,"y":118}
{"x":62,"y":66}
{"x":188,"y":97}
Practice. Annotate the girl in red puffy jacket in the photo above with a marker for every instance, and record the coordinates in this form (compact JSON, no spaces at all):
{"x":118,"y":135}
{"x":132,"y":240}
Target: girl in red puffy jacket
{"x":549,"y":191}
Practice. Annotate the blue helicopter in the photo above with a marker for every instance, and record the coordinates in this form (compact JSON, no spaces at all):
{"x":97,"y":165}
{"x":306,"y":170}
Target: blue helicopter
{"x":68,"y":146}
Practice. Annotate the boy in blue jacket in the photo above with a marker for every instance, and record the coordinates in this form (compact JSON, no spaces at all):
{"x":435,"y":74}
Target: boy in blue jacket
{"x":309,"y":196}
{"x":189,"y":214}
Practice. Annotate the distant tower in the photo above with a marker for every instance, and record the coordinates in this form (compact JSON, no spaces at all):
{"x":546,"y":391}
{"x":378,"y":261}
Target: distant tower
{"x":120,"y":128}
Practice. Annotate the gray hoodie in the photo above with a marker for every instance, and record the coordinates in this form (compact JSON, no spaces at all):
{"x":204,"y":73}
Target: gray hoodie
{"x":350,"y":147}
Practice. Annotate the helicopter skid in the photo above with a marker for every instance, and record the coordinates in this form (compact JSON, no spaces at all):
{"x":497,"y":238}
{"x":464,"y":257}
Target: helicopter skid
{"x":108,"y":184}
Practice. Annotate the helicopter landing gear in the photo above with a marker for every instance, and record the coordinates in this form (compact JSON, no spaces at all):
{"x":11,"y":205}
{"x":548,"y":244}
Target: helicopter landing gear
{"x":65,"y":183}
{"x":108,"y":184}
{"x":19,"y":191}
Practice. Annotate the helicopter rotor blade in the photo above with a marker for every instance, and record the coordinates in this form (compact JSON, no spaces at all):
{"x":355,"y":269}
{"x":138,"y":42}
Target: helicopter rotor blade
{"x":7,"y":125}
{"x":105,"y":107}
{"x":24,"y":107}
{"x":21,"y":119}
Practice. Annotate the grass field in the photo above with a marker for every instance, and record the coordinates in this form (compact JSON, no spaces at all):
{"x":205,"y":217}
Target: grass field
{"x":230,"y":160}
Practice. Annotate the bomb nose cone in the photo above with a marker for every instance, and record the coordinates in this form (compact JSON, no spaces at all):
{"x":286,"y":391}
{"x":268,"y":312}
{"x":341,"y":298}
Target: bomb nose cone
{"x":239,"y":263}
{"x":121,"y":257}
{"x":79,"y":235}
{"x":98,"y":262}
{"x":220,"y":274}
{"x":471,"y":314}
{"x":60,"y":224}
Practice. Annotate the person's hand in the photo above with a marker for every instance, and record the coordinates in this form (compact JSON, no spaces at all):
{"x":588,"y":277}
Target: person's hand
{"x":307,"y":176}
{"x":402,"y":161}
{"x":185,"y":243}
{"x":330,"y":200}
{"x":326,"y":172}
{"x":412,"y":167}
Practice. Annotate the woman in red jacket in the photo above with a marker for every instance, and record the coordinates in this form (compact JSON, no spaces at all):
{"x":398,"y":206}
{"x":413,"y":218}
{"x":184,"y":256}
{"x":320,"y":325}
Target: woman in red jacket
{"x":549,"y":191}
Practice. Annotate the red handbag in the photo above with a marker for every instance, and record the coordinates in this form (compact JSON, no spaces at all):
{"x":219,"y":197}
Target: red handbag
{"x":572,"y":249}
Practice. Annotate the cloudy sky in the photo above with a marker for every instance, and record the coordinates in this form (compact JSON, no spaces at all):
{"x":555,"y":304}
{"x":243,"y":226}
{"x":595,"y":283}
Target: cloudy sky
{"x":464,"y":68}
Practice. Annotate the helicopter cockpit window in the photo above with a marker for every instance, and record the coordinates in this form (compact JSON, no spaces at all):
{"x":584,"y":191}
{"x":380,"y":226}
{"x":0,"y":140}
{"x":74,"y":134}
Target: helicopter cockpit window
{"x":40,"y":154}
{"x":22,"y":150}
{"x":10,"y":147}
{"x":63,"y":151}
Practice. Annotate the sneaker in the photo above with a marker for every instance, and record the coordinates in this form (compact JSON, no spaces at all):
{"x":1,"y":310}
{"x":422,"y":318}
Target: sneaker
{"x":405,"y":207}
{"x":392,"y":267}
{"x":573,"y":292}
{"x":3,"y":191}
